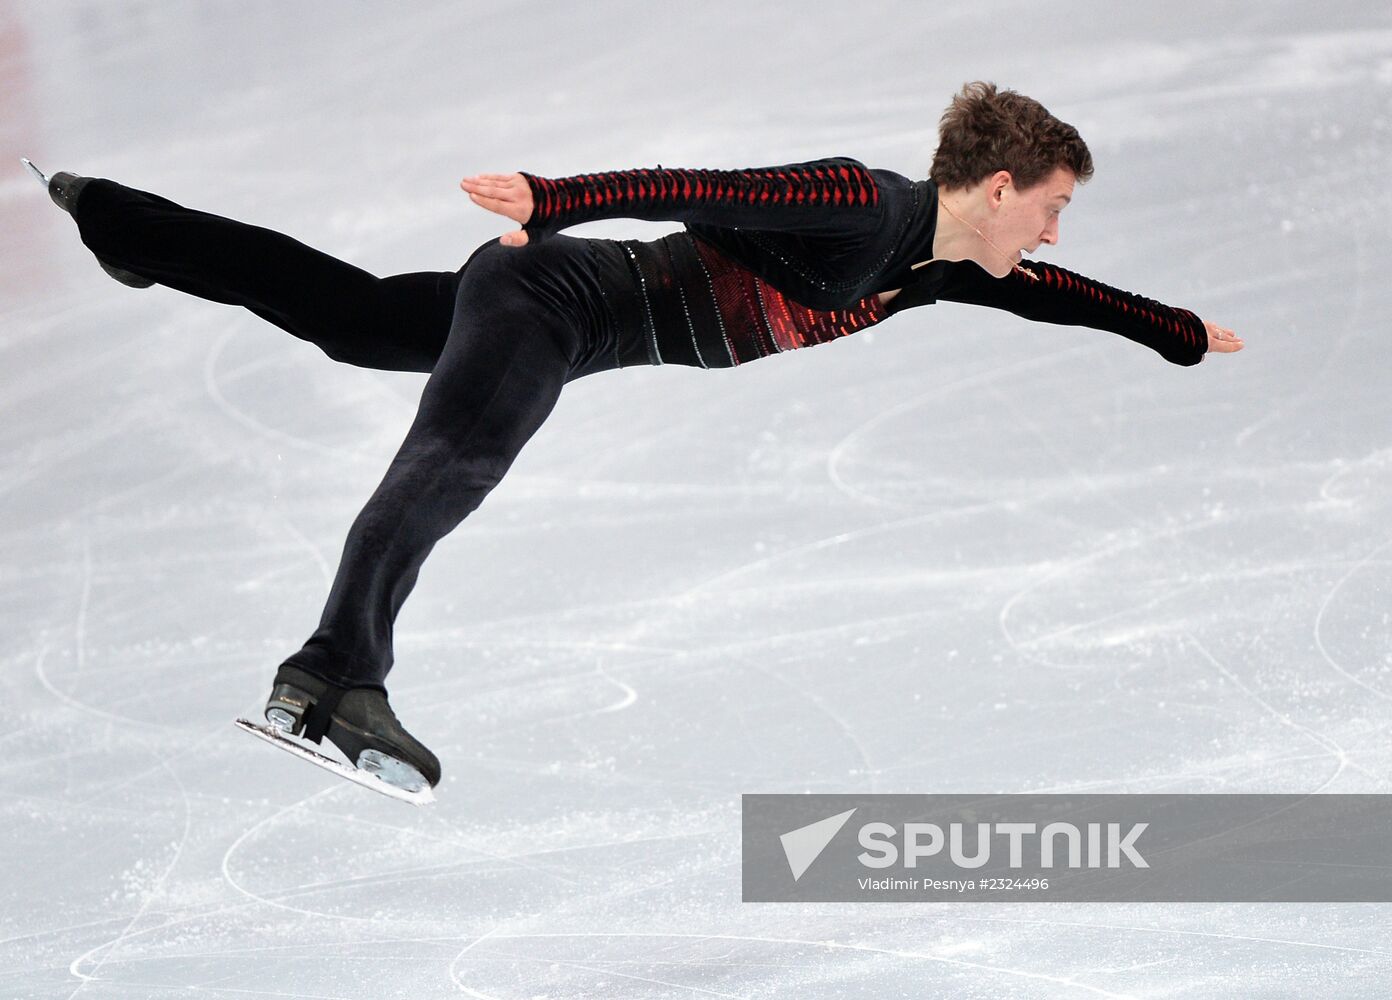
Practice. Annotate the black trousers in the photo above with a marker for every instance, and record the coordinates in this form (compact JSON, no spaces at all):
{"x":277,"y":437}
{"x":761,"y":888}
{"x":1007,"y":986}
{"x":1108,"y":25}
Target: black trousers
{"x":500,"y":337}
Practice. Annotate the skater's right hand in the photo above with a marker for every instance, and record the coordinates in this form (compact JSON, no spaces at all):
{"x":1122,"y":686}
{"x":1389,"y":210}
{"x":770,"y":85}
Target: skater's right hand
{"x":506,"y":194}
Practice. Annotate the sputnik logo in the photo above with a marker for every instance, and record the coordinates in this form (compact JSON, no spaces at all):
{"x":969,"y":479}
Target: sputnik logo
{"x":803,"y":845}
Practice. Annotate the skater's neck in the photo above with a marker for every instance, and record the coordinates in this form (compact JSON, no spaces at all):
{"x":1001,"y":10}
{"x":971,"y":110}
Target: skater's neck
{"x":963,"y":215}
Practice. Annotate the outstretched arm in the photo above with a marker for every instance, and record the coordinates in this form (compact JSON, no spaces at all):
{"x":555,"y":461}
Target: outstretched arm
{"x":831,"y":196}
{"x":1062,"y":296}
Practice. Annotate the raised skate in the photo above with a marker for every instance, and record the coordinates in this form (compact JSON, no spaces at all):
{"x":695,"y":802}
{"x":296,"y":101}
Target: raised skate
{"x":65,"y":189}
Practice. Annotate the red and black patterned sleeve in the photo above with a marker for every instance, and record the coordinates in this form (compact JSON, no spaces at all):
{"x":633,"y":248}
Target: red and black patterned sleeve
{"x":831,"y":196}
{"x":1056,"y":295}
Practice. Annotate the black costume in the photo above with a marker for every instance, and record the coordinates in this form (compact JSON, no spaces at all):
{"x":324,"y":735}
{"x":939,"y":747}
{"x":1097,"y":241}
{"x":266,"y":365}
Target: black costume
{"x":784,"y":257}
{"x":771,"y":260}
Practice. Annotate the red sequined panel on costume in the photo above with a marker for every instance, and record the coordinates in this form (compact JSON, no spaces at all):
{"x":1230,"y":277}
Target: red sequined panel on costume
{"x":759,"y":320}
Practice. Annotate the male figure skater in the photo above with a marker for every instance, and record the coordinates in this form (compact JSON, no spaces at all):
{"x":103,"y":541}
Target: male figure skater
{"x":770,"y":260}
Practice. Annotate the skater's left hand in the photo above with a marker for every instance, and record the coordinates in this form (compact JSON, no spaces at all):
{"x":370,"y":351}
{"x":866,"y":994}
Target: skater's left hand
{"x":1221,"y":340}
{"x":506,"y":194}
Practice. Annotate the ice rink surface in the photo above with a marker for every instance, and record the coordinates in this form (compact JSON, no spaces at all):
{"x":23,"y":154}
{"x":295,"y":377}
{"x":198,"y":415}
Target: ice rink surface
{"x":957,"y":553}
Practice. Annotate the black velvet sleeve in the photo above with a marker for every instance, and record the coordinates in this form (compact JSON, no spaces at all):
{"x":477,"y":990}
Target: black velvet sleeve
{"x":829,"y":196}
{"x":1061,"y":296}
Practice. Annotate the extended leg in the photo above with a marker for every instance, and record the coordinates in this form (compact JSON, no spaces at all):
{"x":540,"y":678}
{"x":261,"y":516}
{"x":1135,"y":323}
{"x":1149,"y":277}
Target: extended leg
{"x":397,"y":324}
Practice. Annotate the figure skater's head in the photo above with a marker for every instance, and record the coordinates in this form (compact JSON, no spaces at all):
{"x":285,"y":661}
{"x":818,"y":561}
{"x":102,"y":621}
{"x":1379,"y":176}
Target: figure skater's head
{"x":1005,"y":168}
{"x":985,"y":130}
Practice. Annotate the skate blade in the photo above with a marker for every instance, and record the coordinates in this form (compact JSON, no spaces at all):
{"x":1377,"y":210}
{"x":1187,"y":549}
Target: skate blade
{"x":378,"y":772}
{"x":35,"y":171}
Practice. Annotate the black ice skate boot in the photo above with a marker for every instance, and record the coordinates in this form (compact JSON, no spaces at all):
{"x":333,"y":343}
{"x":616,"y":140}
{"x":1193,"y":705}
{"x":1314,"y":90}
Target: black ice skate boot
{"x":358,"y":721}
{"x":65,"y":188}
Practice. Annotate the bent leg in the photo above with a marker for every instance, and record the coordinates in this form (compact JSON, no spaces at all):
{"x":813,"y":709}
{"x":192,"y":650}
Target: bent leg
{"x":399,"y":323}
{"x":509,"y":353}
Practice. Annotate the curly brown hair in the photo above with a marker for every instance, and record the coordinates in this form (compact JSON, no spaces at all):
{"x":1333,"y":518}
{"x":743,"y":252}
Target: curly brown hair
{"x":984,"y":130}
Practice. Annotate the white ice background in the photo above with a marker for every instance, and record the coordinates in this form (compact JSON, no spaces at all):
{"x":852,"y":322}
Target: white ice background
{"x":957,"y":553}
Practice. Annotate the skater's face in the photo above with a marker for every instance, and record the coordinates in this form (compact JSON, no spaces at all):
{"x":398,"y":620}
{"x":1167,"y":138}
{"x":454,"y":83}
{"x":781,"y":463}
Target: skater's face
{"x":1026,"y":218}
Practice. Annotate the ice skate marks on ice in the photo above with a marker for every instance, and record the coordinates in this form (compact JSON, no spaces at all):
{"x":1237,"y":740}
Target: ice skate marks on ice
{"x":372,"y":761}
